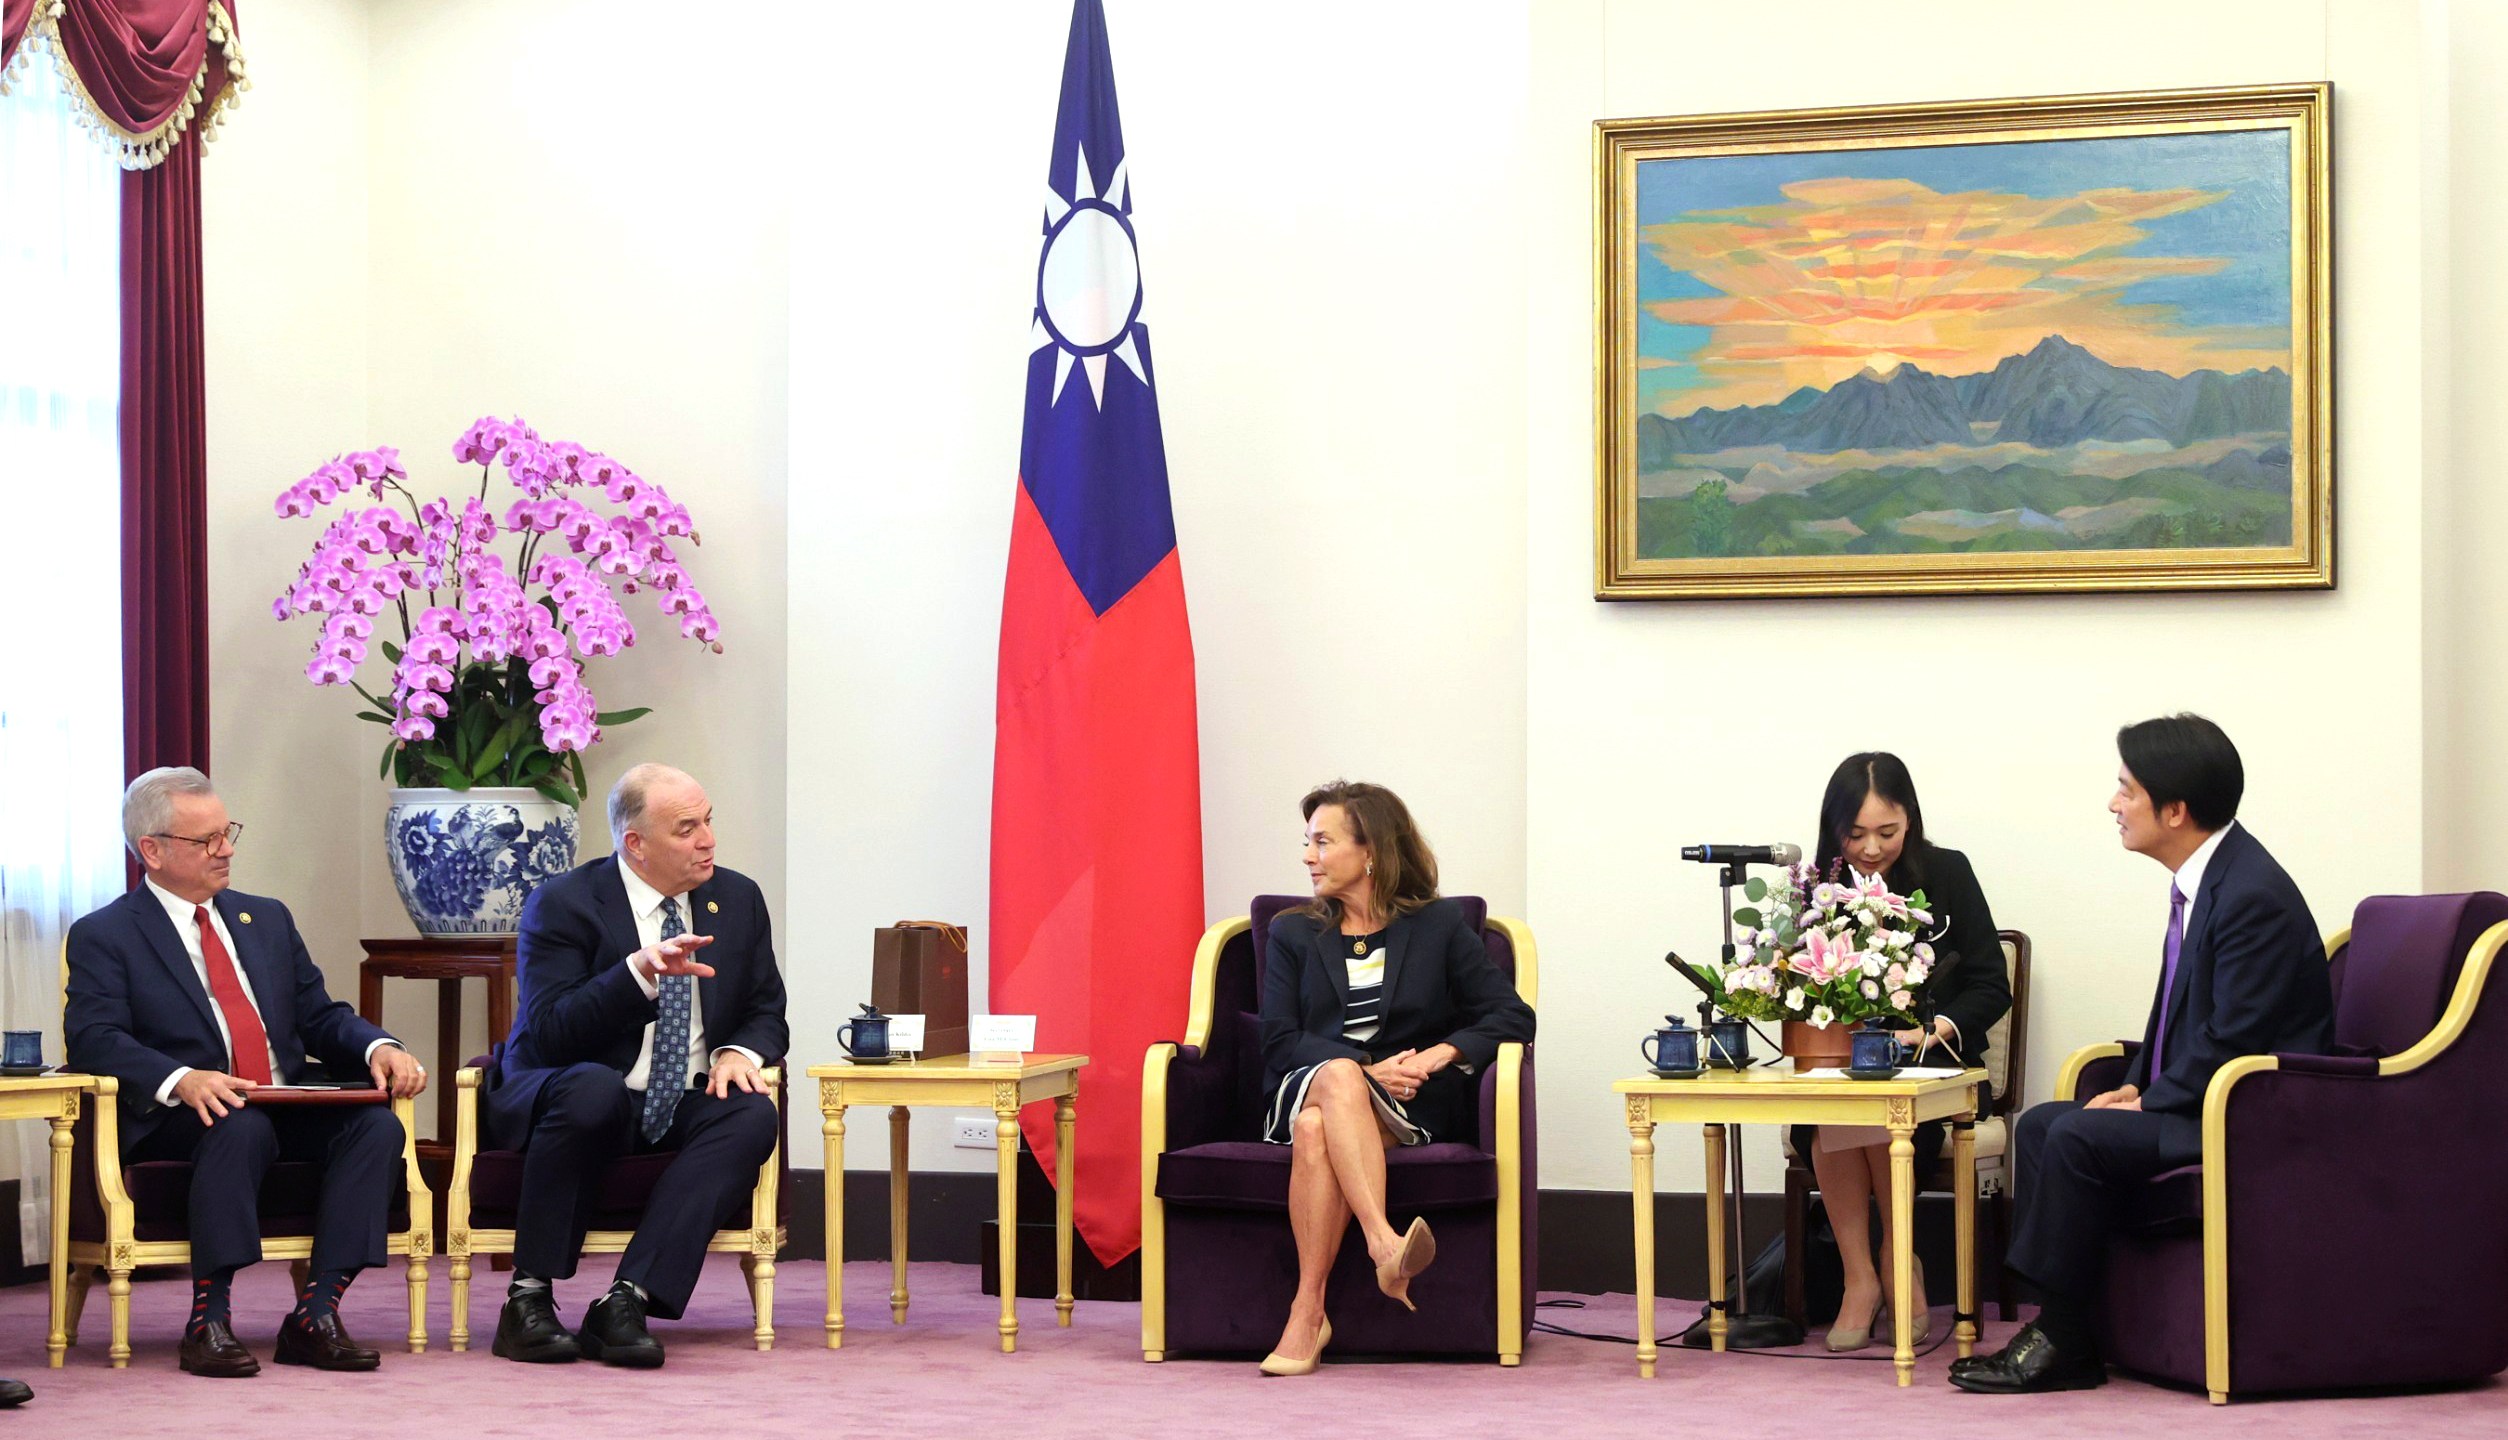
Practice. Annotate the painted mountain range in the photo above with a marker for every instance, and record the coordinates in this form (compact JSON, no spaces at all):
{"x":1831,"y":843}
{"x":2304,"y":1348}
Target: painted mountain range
{"x":2051,"y":449}
{"x":2057,"y":394}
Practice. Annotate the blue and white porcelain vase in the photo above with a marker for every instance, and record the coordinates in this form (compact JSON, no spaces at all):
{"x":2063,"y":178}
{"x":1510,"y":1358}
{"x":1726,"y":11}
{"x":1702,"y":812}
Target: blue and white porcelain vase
{"x":465,"y":860}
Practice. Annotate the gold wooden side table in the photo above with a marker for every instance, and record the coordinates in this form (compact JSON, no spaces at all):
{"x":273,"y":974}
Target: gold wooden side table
{"x":950,"y":1080}
{"x":1774,"y":1095}
{"x":52,"y":1097}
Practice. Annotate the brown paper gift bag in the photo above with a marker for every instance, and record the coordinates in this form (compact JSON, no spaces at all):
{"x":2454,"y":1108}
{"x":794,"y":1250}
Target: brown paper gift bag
{"x":919,"y":967}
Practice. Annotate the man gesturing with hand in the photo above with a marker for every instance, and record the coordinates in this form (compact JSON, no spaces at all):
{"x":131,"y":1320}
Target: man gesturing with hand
{"x":650,"y":1004}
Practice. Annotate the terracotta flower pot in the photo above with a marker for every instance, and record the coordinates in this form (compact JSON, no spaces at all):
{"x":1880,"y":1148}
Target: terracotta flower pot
{"x":1811,"y":1046}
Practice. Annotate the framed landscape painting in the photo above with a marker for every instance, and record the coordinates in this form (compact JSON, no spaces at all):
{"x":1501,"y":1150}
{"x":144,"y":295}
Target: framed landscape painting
{"x":2065,"y":344}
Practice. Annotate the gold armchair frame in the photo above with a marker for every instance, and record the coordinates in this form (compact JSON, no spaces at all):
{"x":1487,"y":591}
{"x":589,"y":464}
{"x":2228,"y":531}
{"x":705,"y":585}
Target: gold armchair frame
{"x":2216,"y":1317}
{"x":121,"y":1251}
{"x":1509,"y":1066}
{"x":756,"y":1246}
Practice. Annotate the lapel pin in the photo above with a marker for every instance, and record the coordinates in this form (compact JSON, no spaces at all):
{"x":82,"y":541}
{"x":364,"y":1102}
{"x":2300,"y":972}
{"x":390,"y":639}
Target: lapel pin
{"x":244,"y":915}
{"x":713,"y":909}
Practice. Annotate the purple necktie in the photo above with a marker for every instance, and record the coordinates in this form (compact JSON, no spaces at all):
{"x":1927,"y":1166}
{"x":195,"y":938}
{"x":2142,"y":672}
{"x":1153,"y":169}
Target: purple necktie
{"x":2168,"y":971}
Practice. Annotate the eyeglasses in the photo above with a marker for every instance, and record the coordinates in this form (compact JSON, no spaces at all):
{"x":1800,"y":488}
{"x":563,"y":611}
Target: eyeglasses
{"x":232,"y":835}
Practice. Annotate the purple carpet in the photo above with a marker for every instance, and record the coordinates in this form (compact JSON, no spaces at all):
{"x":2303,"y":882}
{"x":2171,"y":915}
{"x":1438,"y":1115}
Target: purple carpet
{"x":941,"y":1374}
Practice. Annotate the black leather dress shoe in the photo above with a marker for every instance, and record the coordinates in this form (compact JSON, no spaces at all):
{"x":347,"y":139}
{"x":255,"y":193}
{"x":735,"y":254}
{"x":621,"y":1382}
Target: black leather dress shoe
{"x":322,"y":1342}
{"x":529,"y":1330}
{"x":213,"y":1351}
{"x":14,"y":1393}
{"x":613,"y":1332}
{"x":2030,"y":1365}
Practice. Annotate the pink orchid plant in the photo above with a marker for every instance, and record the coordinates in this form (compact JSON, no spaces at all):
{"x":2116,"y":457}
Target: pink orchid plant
{"x":487,"y":684}
{"x":1827,"y":949}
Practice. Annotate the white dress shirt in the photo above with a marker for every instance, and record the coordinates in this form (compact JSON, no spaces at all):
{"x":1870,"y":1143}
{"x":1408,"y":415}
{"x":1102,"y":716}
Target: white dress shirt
{"x":2189,"y":876}
{"x":179,"y":910}
{"x":646,"y":904}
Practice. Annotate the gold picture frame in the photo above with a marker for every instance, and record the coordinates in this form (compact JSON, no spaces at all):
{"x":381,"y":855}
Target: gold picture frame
{"x":1997,"y":346}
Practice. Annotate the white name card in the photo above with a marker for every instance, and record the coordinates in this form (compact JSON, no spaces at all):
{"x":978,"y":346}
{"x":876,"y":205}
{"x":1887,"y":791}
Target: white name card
{"x":997,"y":1035}
{"x":905,"y":1034}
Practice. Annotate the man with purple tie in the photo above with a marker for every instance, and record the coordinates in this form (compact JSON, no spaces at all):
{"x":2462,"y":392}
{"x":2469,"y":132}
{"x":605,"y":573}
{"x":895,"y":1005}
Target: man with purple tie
{"x":2241,"y":973}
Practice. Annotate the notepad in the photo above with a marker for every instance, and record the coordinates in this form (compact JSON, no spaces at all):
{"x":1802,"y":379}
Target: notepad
{"x":1905,"y":1072}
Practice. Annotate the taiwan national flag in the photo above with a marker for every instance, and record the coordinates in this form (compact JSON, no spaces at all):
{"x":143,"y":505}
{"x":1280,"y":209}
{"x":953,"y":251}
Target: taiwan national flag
{"x":1097,"y":810}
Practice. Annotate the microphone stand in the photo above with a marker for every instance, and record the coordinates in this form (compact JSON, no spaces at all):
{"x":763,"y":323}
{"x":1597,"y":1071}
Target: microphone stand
{"x":1742,"y":1330}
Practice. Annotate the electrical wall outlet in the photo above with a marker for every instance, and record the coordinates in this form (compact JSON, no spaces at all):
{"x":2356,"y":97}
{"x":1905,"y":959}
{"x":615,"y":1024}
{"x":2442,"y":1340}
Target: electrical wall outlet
{"x":972,"y":1132}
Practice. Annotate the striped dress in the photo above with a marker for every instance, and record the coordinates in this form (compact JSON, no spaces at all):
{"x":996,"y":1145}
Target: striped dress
{"x":1362,"y":1015}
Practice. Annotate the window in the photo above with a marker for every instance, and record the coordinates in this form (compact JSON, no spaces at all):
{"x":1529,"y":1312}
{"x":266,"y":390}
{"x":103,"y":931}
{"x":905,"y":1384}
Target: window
{"x":60,"y":566}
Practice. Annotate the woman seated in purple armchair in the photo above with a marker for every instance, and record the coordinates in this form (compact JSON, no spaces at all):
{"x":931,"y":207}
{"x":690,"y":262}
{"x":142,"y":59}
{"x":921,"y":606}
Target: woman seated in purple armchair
{"x":1380,"y":1007}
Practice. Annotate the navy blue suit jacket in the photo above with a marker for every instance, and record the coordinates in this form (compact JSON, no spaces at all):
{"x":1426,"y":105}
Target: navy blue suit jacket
{"x":580,"y":1004}
{"x":1440,"y":988}
{"x":138,"y":1011}
{"x":2251,"y":979}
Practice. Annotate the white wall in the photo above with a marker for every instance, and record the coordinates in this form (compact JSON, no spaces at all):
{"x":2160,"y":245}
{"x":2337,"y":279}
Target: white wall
{"x":1328,"y":254}
{"x":430,"y":210}
{"x":284,"y":196}
{"x":1366,"y":259}
{"x":1654,"y":725}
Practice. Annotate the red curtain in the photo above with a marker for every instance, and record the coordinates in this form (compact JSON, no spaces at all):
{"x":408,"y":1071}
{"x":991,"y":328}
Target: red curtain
{"x":136,"y":59}
{"x":157,"y":72}
{"x":165,"y":469}
{"x":13,"y":17}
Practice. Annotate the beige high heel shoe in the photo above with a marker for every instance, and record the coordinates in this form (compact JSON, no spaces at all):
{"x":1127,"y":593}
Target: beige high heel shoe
{"x":1856,"y":1337}
{"x":1920,"y":1325}
{"x":1273,"y":1364}
{"x":1419,"y":1250}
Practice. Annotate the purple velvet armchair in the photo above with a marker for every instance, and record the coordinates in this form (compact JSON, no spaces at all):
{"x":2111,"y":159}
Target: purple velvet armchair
{"x":1218,"y":1263}
{"x":2366,"y":1184}
{"x":485,"y":1193}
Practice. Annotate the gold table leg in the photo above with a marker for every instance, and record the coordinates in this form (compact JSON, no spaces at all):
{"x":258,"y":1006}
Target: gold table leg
{"x":1903,"y":1240}
{"x":900,"y":1122}
{"x":1964,"y":1223}
{"x":1066,"y":1121}
{"x":1715,"y":1237}
{"x":57,"y":1339}
{"x":1006,"y":1180}
{"x":832,"y":1104}
{"x":1641,"y":1174}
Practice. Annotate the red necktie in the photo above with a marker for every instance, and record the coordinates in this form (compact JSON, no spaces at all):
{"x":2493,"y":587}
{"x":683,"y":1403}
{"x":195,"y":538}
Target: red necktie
{"x":243,"y":1023}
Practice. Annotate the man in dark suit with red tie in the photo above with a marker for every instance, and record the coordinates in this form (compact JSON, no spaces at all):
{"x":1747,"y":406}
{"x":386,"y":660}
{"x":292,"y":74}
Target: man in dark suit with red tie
{"x":629,"y":1043}
{"x":191,"y":995}
{"x":2241,"y":973}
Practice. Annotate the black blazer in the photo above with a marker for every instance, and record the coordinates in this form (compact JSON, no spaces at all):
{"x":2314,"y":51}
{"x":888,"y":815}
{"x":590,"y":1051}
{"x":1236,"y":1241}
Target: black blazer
{"x":580,"y":1005}
{"x":1975,"y":991}
{"x":1440,"y":988}
{"x":2251,"y":979}
{"x":138,"y":1012}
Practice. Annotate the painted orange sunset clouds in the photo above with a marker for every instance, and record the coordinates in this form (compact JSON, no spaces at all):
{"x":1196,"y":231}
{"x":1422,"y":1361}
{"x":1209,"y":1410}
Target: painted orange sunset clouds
{"x":1845,"y":274}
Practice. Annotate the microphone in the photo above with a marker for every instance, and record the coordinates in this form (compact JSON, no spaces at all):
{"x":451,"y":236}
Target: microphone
{"x":1690,"y":973}
{"x":1742,"y":854}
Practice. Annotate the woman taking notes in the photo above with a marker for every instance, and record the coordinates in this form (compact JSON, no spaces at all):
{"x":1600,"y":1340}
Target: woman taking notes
{"x":1870,"y":819}
{"x":1380,"y":1005}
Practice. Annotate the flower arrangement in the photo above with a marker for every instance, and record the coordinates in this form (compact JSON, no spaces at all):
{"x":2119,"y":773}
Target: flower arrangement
{"x":1821,"y":948}
{"x":487,"y":684}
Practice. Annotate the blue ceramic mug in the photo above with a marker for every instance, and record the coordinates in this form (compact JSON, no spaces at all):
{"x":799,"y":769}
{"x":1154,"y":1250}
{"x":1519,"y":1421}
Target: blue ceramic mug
{"x":865,"y":1037}
{"x":1676,"y":1048}
{"x":1728,"y":1045}
{"x":22,"y":1049}
{"x":1875,"y":1048}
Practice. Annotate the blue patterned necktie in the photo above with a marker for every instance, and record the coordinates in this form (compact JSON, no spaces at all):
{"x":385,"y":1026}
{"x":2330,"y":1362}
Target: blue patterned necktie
{"x":666,"y":1078}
